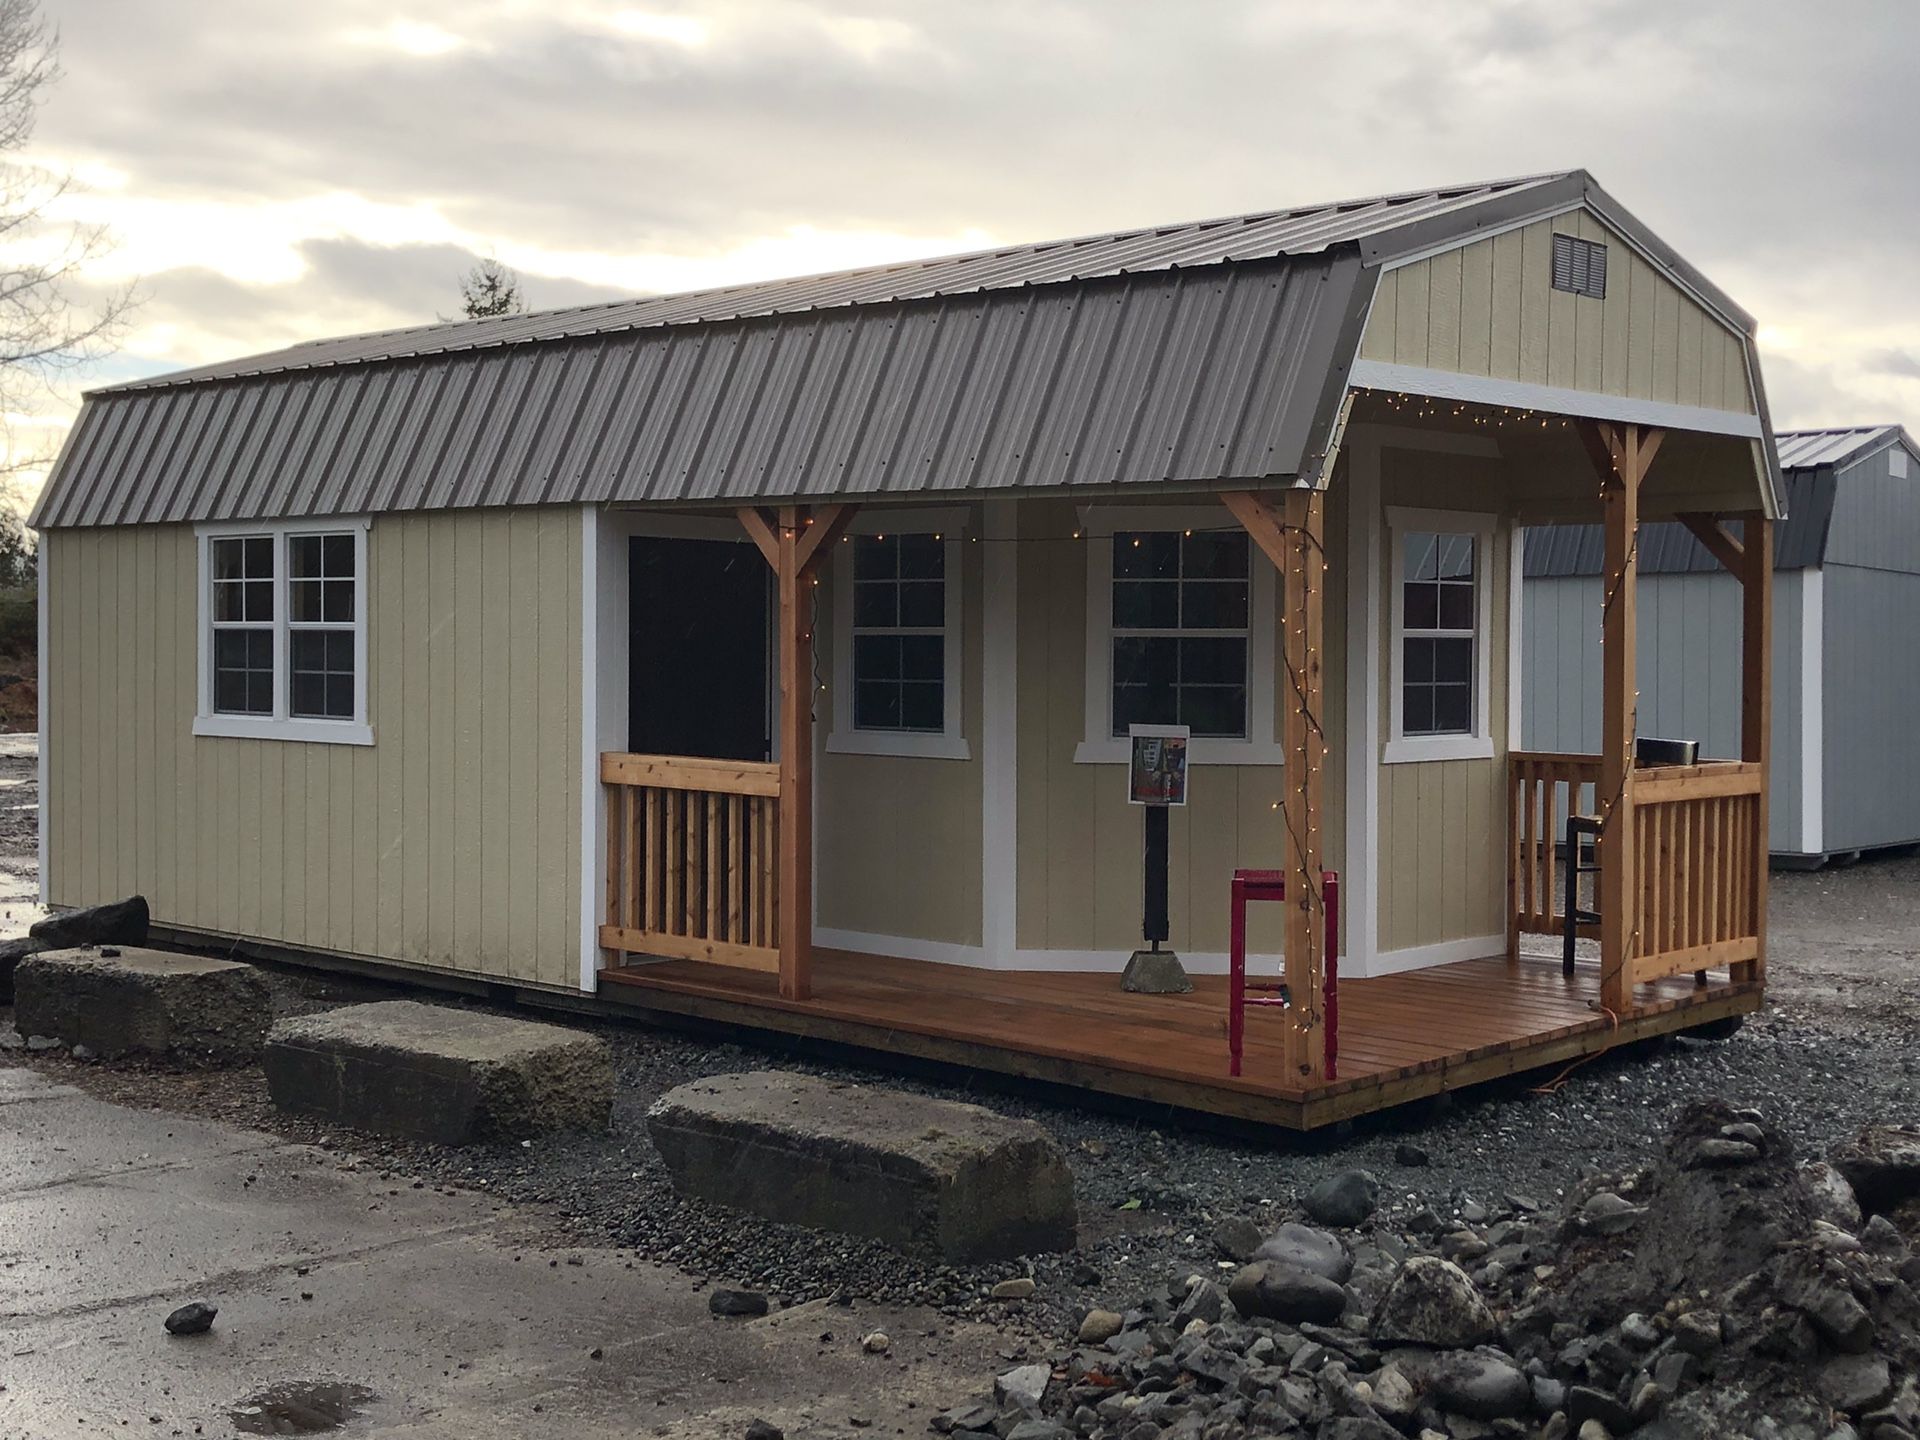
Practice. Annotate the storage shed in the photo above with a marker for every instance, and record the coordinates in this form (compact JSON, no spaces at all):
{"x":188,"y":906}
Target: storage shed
{"x":770,"y":654}
{"x":1846,"y":749}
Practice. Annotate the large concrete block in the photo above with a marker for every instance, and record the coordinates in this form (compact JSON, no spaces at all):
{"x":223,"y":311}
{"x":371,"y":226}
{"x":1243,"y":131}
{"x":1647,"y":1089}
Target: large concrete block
{"x":150,"y":1003}
{"x":428,"y":1072}
{"x":931,"y":1177}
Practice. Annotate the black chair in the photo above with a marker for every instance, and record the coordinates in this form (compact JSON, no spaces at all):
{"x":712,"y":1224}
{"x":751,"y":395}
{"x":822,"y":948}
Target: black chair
{"x":1583,"y":836}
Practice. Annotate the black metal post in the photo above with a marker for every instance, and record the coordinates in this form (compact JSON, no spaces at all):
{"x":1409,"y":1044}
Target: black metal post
{"x":1153,"y":924}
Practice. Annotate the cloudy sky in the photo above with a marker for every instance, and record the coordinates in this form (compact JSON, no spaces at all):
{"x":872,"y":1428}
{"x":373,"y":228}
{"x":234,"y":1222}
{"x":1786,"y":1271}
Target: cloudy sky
{"x":274,"y":170}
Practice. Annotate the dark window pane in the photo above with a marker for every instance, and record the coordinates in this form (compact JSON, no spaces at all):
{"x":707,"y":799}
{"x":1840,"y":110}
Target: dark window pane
{"x":876,"y":706}
{"x":306,"y":649}
{"x":340,"y":697}
{"x":1417,"y":661}
{"x":1214,"y":605}
{"x":1146,"y":555}
{"x":1453,"y":661}
{"x":1416,"y":710}
{"x":1213,"y":662}
{"x":309,"y":693}
{"x":874,"y":604}
{"x":1214,"y":709}
{"x":922,"y":657}
{"x":229,"y":600}
{"x":1422,"y":556}
{"x":876,"y":557}
{"x":1145,"y":605}
{"x":1142,"y":660}
{"x":921,"y":706}
{"x":230,"y":690}
{"x":1142,"y":705}
{"x":259,"y":557}
{"x":876,"y":657}
{"x":303,"y":600}
{"x":1214,"y":556}
{"x":922,"y":557}
{"x":229,"y":559}
{"x":1452,"y":709}
{"x":1456,"y":607}
{"x":303,"y":557}
{"x":259,"y":603}
{"x":1422,"y":606}
{"x":339,"y":651}
{"x":923,"y":603}
{"x":337,"y":557}
{"x":337,"y":601}
{"x":259,"y":692}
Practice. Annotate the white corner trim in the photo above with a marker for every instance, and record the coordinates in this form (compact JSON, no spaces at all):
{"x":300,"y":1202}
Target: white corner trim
{"x":1477,"y":744}
{"x":1000,"y":733}
{"x":1360,"y":903}
{"x":1440,"y":952}
{"x":1098,"y":746}
{"x":1516,"y":614}
{"x":1552,"y":399}
{"x":948,"y":743}
{"x":593,"y":803}
{"x":1813,"y":743}
{"x":46,"y":735}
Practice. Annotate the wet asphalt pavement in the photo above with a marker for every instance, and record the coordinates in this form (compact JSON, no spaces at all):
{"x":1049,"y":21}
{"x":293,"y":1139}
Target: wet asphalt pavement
{"x":335,"y":1283}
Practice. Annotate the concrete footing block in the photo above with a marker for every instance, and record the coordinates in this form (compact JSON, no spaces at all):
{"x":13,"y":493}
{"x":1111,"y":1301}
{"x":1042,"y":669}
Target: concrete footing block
{"x":152,"y":1004}
{"x":929,"y":1177}
{"x":429,"y":1072}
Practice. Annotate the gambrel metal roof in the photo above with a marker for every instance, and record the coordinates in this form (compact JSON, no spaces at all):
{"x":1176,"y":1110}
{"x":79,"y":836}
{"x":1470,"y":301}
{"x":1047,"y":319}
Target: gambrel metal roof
{"x":1197,"y":354}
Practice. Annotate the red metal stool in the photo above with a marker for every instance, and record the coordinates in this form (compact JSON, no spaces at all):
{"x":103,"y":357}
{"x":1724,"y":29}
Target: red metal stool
{"x":1272,"y":885}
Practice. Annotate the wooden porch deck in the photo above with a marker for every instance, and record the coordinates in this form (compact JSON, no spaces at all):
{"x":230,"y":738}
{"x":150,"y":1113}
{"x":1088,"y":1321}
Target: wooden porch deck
{"x":1401,"y":1037}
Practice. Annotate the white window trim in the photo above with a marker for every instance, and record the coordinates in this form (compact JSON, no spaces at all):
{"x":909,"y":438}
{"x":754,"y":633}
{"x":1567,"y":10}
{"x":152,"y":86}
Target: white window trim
{"x":1097,"y":746}
{"x":1403,"y":749}
{"x":948,"y":743}
{"x":280,"y":725}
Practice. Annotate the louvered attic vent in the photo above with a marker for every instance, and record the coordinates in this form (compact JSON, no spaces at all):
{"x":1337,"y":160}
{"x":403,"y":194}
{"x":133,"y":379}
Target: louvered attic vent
{"x":1580,"y":266}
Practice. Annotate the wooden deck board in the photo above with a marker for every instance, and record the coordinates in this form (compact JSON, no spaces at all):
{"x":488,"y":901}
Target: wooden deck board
{"x":1400,"y":1036}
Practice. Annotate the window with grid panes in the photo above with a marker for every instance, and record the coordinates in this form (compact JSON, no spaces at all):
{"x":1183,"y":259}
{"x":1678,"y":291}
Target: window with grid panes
{"x":1180,"y":608}
{"x":243,"y":624}
{"x":320,"y":626}
{"x":899,"y":633}
{"x":1437,"y":602}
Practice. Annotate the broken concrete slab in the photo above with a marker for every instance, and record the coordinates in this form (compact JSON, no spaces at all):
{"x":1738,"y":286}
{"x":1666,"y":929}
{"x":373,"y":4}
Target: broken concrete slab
{"x":430,"y":1072}
{"x":12,"y":952}
{"x":927,"y":1176}
{"x":154,"y":1004}
{"x":124,"y":922}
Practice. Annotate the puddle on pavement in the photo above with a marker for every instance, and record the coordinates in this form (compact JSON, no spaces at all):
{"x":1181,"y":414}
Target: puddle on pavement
{"x":310,"y":1407}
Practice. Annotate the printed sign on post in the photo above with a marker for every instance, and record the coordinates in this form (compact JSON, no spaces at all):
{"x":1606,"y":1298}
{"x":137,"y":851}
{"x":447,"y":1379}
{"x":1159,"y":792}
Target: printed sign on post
{"x":1157,"y":770}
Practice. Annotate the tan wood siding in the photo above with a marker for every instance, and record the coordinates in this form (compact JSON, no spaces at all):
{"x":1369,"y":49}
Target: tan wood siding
{"x":1490,"y":309}
{"x":1442,"y":826}
{"x":898,"y":841}
{"x":1079,"y":840}
{"x":452,"y":842}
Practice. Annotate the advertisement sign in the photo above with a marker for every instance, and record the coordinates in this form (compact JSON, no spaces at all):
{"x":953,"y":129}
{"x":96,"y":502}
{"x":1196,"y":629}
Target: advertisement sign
{"x":1157,"y":768}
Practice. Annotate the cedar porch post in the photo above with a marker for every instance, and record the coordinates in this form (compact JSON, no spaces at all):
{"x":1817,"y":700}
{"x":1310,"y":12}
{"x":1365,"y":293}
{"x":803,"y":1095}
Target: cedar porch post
{"x":795,"y":543}
{"x":1294,"y":541}
{"x":1621,"y":455}
{"x":1756,"y":710}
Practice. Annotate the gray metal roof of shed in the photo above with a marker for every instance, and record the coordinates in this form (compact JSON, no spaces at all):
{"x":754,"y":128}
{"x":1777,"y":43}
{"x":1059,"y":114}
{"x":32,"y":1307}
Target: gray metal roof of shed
{"x":1194,"y":354}
{"x":1842,"y":445}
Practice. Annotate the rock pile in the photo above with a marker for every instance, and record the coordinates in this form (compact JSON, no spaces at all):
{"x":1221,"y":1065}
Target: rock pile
{"x":1723,"y":1291}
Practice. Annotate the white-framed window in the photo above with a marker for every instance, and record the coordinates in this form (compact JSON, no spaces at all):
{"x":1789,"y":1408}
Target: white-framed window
{"x":1439,"y":662}
{"x":1180,"y":615}
{"x":283,"y":631}
{"x":897,"y":636}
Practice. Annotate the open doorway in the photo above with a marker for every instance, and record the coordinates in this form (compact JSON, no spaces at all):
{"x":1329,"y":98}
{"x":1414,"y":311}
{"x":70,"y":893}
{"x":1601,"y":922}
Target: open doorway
{"x":697,"y":677}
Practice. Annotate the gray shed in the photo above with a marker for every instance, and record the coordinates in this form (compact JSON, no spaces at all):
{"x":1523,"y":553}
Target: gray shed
{"x":1846,"y":677}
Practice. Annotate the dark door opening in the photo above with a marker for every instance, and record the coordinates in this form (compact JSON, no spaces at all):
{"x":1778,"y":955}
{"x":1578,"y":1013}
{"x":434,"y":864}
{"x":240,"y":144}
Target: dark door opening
{"x":697,"y":618}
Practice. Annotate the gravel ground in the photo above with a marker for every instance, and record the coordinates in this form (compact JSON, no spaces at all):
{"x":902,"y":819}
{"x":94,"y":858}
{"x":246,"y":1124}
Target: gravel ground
{"x":1833,"y":1052}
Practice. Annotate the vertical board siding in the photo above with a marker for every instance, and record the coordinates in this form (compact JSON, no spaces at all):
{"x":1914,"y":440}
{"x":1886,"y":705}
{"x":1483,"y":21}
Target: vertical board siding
{"x":1870,"y":694}
{"x":897,"y":838}
{"x":1490,"y":309}
{"x":1080,"y":841}
{"x":1688,"y":674}
{"x":452,"y":842}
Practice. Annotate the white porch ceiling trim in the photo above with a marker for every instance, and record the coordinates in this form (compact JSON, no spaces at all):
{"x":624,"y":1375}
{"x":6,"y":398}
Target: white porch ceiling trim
{"x":1554,"y":399}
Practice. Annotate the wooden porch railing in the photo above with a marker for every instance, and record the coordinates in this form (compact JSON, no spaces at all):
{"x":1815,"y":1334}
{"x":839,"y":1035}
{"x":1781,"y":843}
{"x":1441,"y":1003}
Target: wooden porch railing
{"x":1695,"y":833}
{"x":1542,"y":790}
{"x":692,"y":849}
{"x":1697,"y":850}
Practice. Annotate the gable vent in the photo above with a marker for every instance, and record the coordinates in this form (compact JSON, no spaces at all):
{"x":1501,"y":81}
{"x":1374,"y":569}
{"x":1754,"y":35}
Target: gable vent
{"x":1580,"y":266}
